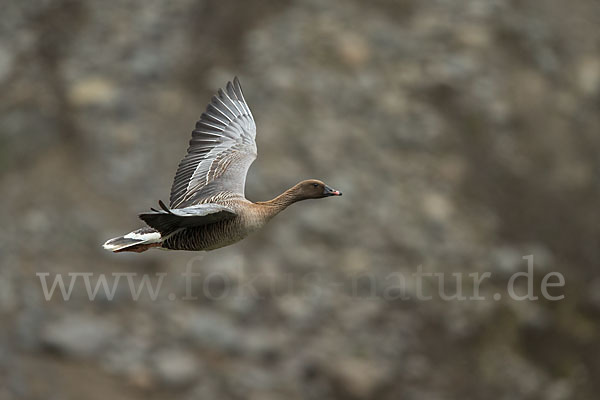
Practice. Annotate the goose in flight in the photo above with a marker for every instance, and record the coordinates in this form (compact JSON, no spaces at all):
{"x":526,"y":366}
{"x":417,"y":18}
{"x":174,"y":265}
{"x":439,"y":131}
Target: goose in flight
{"x":207,"y":208}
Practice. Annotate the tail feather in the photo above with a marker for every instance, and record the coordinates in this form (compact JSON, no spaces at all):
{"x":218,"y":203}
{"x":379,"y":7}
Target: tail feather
{"x":136,"y":241}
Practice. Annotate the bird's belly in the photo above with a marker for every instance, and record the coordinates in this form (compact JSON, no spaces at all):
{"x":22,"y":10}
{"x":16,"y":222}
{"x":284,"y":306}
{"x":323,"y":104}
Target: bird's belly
{"x":209,"y":237}
{"x":222,"y":242}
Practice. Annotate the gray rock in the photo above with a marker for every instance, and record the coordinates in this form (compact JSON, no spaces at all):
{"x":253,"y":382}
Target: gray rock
{"x":176,"y":367}
{"x":78,"y":335}
{"x":213,"y":330}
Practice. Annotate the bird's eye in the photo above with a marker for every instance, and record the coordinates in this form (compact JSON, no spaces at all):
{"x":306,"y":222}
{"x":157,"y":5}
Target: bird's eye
{"x":315,"y":184}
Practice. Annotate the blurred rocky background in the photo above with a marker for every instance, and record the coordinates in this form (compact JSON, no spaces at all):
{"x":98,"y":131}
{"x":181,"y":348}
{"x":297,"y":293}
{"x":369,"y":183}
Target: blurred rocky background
{"x":464,"y":135}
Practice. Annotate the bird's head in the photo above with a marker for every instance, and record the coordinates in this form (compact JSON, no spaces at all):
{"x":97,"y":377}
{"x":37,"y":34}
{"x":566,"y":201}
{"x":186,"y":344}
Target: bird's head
{"x":314,"y":189}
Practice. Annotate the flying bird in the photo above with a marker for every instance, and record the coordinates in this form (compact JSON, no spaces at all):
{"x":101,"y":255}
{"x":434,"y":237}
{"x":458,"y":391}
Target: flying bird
{"x":208,"y":209}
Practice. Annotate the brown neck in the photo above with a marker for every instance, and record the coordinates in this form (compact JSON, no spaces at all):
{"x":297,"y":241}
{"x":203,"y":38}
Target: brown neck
{"x":281,"y":202}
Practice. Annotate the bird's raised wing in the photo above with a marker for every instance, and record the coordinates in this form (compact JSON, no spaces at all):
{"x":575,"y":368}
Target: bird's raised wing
{"x":221,"y":150}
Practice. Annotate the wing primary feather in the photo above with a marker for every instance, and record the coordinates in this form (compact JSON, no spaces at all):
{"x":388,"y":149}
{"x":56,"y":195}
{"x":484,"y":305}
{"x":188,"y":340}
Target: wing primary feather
{"x":205,"y":142}
{"x":238,"y":89}
{"x":212,"y":106}
{"x":229,"y":88}
{"x":240,"y":96}
{"x":222,"y":93}
{"x":209,"y":111}
{"x":231,"y":91}
{"x":210,"y":125}
{"x":213,"y":119}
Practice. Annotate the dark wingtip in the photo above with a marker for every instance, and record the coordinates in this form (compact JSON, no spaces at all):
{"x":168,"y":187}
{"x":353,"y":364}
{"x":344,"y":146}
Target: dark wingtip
{"x":231,"y":90}
{"x":236,"y":83}
{"x":237,"y":86}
